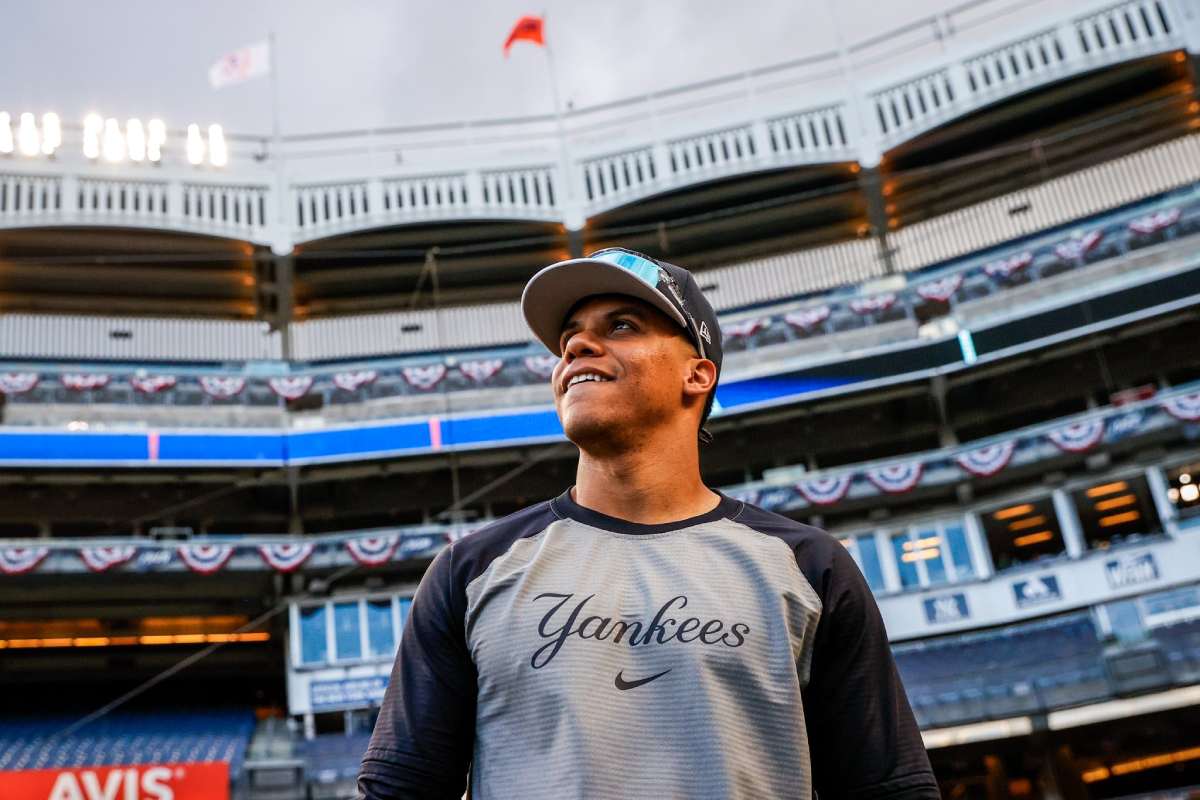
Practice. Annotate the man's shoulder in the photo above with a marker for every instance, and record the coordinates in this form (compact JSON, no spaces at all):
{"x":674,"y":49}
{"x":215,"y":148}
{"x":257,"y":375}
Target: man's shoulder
{"x":818,"y":553}
{"x":472,"y":554}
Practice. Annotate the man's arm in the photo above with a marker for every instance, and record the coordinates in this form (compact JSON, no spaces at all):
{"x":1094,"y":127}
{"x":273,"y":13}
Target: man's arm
{"x":423,"y":740}
{"x":862,"y":735}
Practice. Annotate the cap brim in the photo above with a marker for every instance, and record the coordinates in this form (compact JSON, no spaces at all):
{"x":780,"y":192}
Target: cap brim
{"x":555,"y":290}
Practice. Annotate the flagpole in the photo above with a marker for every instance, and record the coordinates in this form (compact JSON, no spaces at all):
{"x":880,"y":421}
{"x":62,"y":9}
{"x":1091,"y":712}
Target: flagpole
{"x":559,"y":113}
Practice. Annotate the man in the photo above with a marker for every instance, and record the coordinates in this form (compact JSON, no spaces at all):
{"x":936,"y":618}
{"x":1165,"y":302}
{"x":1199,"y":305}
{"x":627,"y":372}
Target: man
{"x":641,"y":636}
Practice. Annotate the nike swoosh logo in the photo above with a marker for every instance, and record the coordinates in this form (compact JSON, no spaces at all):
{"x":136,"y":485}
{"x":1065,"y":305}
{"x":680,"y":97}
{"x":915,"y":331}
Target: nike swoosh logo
{"x":623,"y":684}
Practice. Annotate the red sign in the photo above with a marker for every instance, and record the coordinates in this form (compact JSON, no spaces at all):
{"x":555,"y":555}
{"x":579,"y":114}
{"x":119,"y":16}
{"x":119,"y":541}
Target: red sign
{"x":196,"y":781}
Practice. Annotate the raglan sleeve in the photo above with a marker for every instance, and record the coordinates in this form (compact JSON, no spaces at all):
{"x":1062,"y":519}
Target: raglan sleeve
{"x":423,"y":740}
{"x":863,"y":738}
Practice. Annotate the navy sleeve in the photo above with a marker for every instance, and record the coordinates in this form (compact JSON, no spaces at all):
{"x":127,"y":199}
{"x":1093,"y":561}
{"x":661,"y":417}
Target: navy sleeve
{"x":424,"y":738}
{"x":863,"y":737}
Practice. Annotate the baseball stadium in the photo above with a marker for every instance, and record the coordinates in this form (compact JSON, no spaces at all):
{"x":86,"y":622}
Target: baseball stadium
{"x":253,"y":382}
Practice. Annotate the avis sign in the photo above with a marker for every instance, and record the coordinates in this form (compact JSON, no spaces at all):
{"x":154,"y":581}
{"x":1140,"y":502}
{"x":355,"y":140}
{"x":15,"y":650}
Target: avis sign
{"x":191,"y":781}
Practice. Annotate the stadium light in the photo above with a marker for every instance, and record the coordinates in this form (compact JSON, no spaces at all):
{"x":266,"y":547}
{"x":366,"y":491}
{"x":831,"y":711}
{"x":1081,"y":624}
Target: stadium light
{"x":195,"y":145}
{"x":218,"y":154}
{"x":6,"y":137}
{"x":114,"y":142}
{"x":92,"y":127}
{"x":51,"y":133}
{"x":156,"y":139}
{"x":135,"y":140}
{"x":29,"y":141}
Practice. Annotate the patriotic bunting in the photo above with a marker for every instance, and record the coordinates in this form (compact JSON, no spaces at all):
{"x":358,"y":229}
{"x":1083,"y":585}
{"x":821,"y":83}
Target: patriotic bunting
{"x":152,"y":384}
{"x":99,"y":559}
{"x":83,"y":383}
{"x":222,"y":387}
{"x":17,"y":382}
{"x":424,"y":378}
{"x":807,"y":318}
{"x":1184,"y":407}
{"x":1153,"y":223}
{"x":744,"y":329}
{"x":351,"y":381}
{"x":825,"y":491}
{"x":871,"y":305}
{"x":18,"y":560}
{"x":942,"y":289}
{"x":987,"y":460}
{"x":1007,"y":267}
{"x":542,"y":366}
{"x":291,"y":387}
{"x":1077,"y":248}
{"x":371,"y":551}
{"x":286,"y":557}
{"x":896,"y":478}
{"x":1077,"y":437}
{"x":205,"y":559}
{"x":479,"y":371}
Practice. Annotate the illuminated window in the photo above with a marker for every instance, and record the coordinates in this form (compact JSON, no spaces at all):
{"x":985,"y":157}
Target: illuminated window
{"x":1114,"y":512}
{"x":866,"y":554}
{"x":380,"y":636}
{"x":933,"y":553}
{"x":314,"y":645}
{"x":1183,"y":491}
{"x":1022,"y":533}
{"x":346,"y":632}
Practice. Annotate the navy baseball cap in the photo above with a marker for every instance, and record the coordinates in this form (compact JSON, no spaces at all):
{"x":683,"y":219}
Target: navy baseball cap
{"x":555,"y":290}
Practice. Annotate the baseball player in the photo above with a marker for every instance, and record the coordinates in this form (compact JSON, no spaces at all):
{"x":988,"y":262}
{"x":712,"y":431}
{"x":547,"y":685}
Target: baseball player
{"x":641,"y":635}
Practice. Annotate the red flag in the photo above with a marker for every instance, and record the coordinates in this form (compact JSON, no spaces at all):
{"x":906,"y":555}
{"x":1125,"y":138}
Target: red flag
{"x":527,"y":28}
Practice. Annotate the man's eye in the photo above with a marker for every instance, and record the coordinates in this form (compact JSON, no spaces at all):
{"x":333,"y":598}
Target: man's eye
{"x":621,"y":322}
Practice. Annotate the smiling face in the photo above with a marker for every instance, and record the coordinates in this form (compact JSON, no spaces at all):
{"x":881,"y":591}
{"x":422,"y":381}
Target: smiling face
{"x":626,"y":368}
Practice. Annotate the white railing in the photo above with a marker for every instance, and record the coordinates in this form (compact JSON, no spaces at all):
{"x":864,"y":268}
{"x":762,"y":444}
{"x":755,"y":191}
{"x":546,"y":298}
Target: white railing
{"x":825,"y":108}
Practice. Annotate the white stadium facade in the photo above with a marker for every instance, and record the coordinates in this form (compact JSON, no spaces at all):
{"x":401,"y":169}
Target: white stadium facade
{"x":251,"y":385}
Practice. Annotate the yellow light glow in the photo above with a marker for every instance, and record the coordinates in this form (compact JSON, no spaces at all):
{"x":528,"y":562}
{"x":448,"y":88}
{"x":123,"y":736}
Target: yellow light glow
{"x":135,"y":138}
{"x":1159,"y":760}
{"x":1033,"y":538}
{"x":156,"y":138}
{"x":1093,"y":775}
{"x":92,"y":641}
{"x":921,"y":555}
{"x":1107,"y":488}
{"x":920,"y":544}
{"x":1190,"y":492}
{"x":93,"y":125}
{"x":1119,"y":519}
{"x":1013,"y":511}
{"x":1115,"y":502}
{"x":114,"y":142}
{"x":218,"y":155}
{"x":1029,"y":522}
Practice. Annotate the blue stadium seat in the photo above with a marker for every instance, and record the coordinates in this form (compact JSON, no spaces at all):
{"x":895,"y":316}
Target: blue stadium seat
{"x":127,"y":739}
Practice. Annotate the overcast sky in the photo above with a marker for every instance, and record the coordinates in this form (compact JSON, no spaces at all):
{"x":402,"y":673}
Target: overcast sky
{"x":364,"y":63}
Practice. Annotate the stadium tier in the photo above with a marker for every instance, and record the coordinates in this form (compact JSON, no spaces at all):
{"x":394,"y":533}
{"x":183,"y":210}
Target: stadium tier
{"x":243,"y":405}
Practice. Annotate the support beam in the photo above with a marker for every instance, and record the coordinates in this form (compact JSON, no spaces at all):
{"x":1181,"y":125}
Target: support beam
{"x":870,"y":182}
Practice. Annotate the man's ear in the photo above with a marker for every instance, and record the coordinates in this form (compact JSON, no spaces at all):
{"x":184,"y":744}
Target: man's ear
{"x":701,"y":377}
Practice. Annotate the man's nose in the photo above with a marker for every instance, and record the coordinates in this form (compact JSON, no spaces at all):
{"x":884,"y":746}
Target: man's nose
{"x":582,"y":343}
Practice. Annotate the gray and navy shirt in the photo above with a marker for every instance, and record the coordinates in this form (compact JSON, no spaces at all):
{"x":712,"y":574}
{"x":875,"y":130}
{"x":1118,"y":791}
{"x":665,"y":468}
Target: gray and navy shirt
{"x":563,"y":653}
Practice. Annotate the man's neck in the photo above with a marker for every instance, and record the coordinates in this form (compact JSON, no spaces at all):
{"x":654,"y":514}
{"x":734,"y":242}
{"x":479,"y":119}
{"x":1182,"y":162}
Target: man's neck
{"x":651,"y":484}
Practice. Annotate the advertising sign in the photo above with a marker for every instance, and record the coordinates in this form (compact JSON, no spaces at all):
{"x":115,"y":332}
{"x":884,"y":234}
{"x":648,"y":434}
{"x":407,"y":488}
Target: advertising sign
{"x":192,"y":781}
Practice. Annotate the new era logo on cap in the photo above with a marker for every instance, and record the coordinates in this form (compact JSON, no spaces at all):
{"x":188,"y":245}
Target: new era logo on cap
{"x":704,"y":332}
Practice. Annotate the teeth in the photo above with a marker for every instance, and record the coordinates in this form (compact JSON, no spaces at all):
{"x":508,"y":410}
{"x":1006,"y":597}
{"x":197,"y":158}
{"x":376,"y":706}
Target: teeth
{"x":587,"y":376}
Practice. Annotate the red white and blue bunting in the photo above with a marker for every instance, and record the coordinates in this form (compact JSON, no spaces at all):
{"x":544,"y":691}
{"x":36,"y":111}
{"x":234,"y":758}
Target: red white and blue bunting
{"x":987,"y":460}
{"x":1184,"y":407}
{"x":481,"y":369}
{"x":896,"y":478}
{"x":100,"y":559}
{"x":744,"y":329}
{"x":77,"y":382}
{"x":942,"y":289}
{"x":1078,"y":247}
{"x":19,"y":560}
{"x":17,"y":382}
{"x":152,"y":384}
{"x":371,"y":551}
{"x":286,"y":557}
{"x":291,"y":387}
{"x":542,"y":366}
{"x":1077,"y":437}
{"x":807,"y":318}
{"x":1007,"y":267}
{"x":825,"y":491}
{"x":205,"y":559}
{"x":1153,"y":223}
{"x":871,"y":305}
{"x":222,"y":387}
{"x":352,"y":381}
{"x":424,"y":378}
